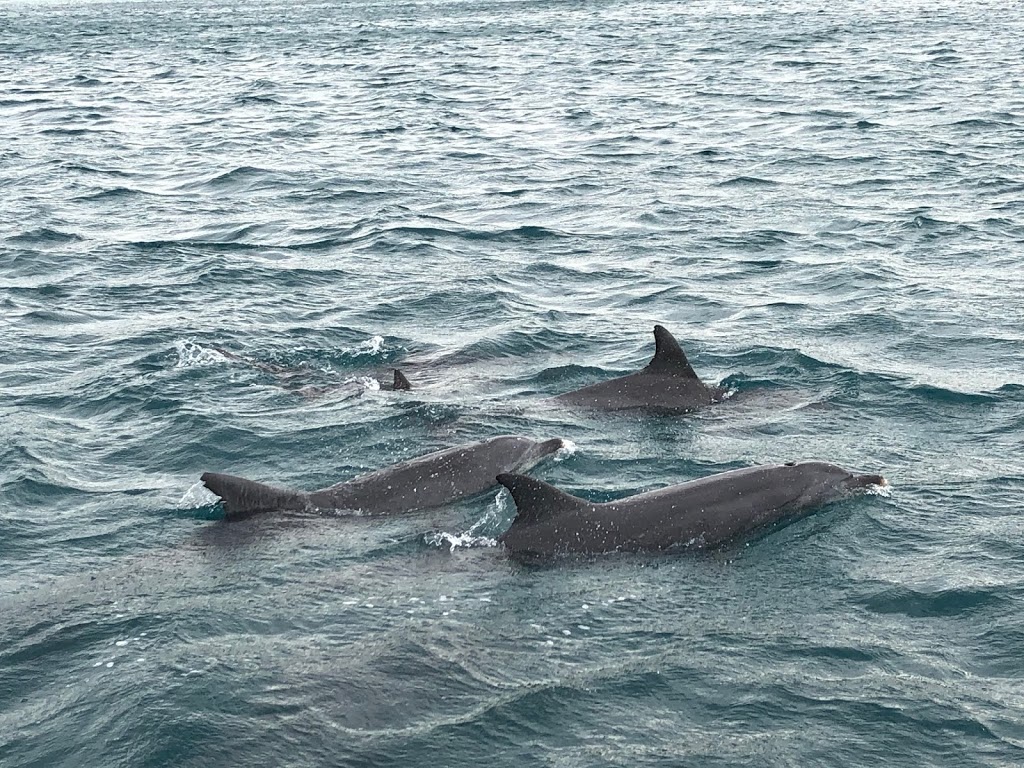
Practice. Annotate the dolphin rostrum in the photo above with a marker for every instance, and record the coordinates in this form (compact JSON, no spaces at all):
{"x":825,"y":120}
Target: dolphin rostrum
{"x":668,"y":382}
{"x":428,"y":481}
{"x":700,"y":514}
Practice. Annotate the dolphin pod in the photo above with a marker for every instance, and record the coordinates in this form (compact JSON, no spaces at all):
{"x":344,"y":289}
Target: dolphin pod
{"x":432,"y":480}
{"x":700,"y":514}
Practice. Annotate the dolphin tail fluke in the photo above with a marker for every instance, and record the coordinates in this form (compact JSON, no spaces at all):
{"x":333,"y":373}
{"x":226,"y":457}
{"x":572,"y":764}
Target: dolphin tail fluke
{"x":243,"y":498}
{"x":400,"y":381}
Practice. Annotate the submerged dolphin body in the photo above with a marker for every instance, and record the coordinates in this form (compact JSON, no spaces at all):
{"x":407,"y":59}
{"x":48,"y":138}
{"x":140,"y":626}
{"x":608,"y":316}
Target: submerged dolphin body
{"x":701,"y":514}
{"x":667,"y":383}
{"x":428,"y":481}
{"x":286,"y":376}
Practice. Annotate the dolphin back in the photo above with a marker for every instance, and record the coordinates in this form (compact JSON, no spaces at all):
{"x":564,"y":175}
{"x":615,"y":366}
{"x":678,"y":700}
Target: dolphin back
{"x":242,"y":498}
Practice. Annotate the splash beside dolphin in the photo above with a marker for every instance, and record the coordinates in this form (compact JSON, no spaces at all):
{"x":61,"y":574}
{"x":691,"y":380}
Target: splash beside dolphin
{"x":700,"y":514}
{"x":429,"y":481}
{"x":667,"y":383}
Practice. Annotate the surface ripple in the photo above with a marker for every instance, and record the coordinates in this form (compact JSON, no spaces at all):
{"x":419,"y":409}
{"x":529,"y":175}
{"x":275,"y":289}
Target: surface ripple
{"x":224,"y":224}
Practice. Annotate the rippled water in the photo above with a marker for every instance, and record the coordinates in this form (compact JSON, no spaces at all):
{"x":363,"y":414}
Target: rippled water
{"x":825,"y":203}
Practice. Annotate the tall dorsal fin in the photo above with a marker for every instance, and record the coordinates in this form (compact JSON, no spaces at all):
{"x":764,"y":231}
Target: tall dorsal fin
{"x":668,"y":355}
{"x":400,"y":381}
{"x":537,"y":500}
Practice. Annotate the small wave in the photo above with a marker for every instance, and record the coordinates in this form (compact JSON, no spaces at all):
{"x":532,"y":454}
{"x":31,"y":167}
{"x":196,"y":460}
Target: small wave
{"x":797,"y":63}
{"x":191,"y":354}
{"x":245,"y":174}
{"x":69,"y":131}
{"x":747,"y":181}
{"x":21,"y":102}
{"x":45,"y":235}
{"x":931,"y":604}
{"x":980,"y":123}
{"x":372,"y":346}
{"x":501,"y":235}
{"x":81,"y":168}
{"x":115,"y":193}
{"x":251,"y":99}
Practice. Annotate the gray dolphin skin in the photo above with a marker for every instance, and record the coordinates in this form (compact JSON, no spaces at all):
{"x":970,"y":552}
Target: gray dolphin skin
{"x":701,"y":514}
{"x":667,"y":383}
{"x":428,"y":481}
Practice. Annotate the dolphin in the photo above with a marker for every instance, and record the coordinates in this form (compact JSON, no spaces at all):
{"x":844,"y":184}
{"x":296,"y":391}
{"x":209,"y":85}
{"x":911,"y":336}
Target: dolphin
{"x":701,"y":514}
{"x":667,"y":383}
{"x":286,"y":375}
{"x":428,"y":481}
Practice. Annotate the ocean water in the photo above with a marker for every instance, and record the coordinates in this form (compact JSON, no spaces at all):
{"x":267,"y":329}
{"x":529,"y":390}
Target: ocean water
{"x":823,"y":201}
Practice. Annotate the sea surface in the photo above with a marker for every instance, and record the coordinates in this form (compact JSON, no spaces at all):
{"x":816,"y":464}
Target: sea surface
{"x":824,"y":202}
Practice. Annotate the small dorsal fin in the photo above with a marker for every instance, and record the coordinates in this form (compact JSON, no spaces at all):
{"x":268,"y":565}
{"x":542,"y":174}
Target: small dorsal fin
{"x":400,"y":381}
{"x":668,"y":355}
{"x":537,"y":500}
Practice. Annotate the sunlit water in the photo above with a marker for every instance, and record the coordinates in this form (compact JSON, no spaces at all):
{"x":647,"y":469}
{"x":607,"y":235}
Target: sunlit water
{"x":825,"y":203}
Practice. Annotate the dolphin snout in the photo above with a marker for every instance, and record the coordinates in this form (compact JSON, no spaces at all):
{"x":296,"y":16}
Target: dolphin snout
{"x":865,"y":481}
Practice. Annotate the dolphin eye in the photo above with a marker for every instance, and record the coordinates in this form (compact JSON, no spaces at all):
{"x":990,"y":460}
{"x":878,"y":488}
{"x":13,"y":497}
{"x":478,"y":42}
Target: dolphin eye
{"x":790,"y":464}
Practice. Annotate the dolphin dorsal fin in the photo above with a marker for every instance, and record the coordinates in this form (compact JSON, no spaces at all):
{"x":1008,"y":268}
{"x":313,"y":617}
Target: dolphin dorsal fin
{"x":668,"y":356}
{"x":537,"y":500}
{"x":400,"y":381}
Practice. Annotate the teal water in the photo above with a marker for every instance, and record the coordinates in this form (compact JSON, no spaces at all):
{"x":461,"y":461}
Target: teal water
{"x":824,"y":203}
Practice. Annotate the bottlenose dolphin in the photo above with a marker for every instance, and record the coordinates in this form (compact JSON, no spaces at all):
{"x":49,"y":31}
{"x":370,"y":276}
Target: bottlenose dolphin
{"x":668,"y":382}
{"x":287,"y":376}
{"x":428,"y":481}
{"x":700,"y":514}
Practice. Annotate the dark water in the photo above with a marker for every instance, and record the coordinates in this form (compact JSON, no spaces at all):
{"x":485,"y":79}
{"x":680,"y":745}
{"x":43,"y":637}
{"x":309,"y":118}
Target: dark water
{"x":824,"y":202}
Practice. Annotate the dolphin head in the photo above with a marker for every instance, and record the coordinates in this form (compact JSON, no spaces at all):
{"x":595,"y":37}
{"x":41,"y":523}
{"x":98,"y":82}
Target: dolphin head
{"x":534,"y":451}
{"x":823,"y":482}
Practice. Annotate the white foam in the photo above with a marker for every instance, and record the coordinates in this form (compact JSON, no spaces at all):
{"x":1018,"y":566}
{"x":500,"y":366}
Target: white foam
{"x":879,"y":490}
{"x":458,"y":540}
{"x":191,"y":353}
{"x":369,"y":383}
{"x":198,"y":496}
{"x":568,"y":449}
{"x":372,"y":346}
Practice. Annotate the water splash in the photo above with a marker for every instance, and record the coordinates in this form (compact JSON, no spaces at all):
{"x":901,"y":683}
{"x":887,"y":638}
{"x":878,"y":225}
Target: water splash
{"x":198,"y":496}
{"x":455,"y":541}
{"x":372,"y":346}
{"x":884,"y":490}
{"x":191,"y":353}
{"x":568,"y":449}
